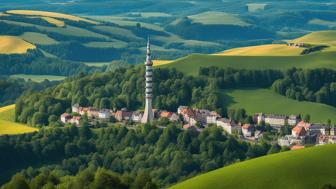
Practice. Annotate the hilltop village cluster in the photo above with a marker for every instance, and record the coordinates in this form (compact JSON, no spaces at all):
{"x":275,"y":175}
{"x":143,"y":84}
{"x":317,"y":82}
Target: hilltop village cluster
{"x":197,"y":119}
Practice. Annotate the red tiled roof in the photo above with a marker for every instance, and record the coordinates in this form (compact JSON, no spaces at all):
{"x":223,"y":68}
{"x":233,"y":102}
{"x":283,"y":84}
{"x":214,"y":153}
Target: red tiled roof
{"x":299,"y":130}
{"x":165,"y":114}
{"x":304,"y":124}
{"x":66,"y":115}
{"x":297,"y":147}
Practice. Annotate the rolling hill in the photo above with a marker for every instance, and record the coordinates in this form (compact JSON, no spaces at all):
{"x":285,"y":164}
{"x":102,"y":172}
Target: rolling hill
{"x":217,"y":18}
{"x":50,"y":15}
{"x":271,"y":56}
{"x":318,"y":38}
{"x":98,"y":39}
{"x":263,"y":50}
{"x":308,"y":168}
{"x":191,"y":64}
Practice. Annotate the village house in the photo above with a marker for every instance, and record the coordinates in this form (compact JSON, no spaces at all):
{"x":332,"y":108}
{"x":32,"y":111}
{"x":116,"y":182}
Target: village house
{"x":75,"y":120}
{"x":304,"y":124}
{"x":227,"y":125}
{"x":299,"y":131}
{"x":171,"y":116}
{"x":181,"y":109}
{"x":259,"y":118}
{"x":92,"y":112}
{"x":289,"y":140}
{"x":212,"y":118}
{"x":104,"y":114}
{"x":65,"y":118}
{"x":318,"y":129}
{"x":324,"y":139}
{"x":199,"y":116}
{"x":123,"y":114}
{"x":276,"y":120}
{"x":137,"y":116}
{"x":174,"y":118}
{"x":165,"y":114}
{"x":189,"y":116}
{"x":247,"y":130}
{"x":83,"y":111}
{"x":292,"y":120}
{"x":75,"y":108}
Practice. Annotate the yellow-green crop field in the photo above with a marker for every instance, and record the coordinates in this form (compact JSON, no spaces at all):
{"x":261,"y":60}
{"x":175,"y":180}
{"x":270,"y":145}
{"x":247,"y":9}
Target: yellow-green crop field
{"x":7,"y":124}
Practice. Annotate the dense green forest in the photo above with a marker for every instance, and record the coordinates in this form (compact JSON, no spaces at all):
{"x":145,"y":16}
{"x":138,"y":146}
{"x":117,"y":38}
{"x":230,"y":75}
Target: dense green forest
{"x":115,"y":90}
{"x":166,"y":156}
{"x":11,"y":89}
{"x":123,"y":87}
{"x":88,"y":178}
{"x":189,"y":30}
{"x":318,"y":85}
{"x":233,"y":78}
{"x":34,"y":62}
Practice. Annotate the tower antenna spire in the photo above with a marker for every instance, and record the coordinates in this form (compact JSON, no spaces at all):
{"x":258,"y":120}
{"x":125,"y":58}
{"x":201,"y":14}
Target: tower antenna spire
{"x":148,"y":114}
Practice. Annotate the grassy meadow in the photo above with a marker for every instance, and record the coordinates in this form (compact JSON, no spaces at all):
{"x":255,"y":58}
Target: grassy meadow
{"x":267,"y":101}
{"x":271,"y":56}
{"x":213,"y":17}
{"x":191,"y":64}
{"x":39,"y":78}
{"x":302,"y":169}
{"x":316,"y":38}
{"x":38,"y":38}
{"x":7,"y":124}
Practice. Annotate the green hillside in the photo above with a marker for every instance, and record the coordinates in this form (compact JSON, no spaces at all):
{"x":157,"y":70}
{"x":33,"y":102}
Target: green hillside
{"x":213,"y":17}
{"x":191,"y":64}
{"x":98,"y":39}
{"x":267,"y":101}
{"x":265,"y":57}
{"x":304,"y":169}
{"x":322,"y":37}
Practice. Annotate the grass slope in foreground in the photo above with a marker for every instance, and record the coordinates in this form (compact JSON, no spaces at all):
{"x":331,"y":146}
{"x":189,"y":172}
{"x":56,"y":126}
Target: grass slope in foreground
{"x":303,"y":169}
{"x":267,"y":101}
{"x":7,"y":124}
